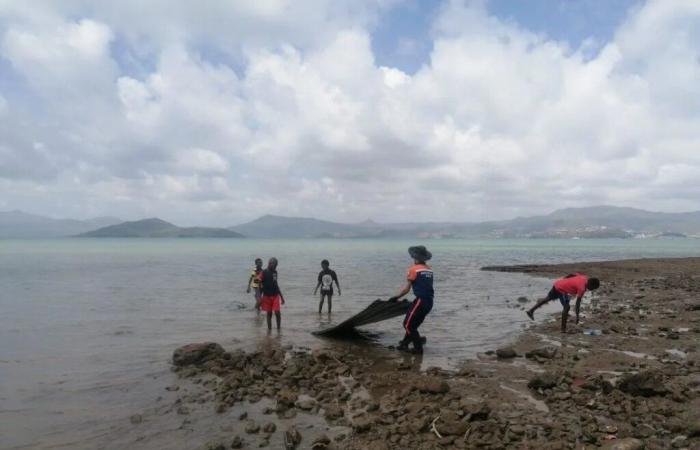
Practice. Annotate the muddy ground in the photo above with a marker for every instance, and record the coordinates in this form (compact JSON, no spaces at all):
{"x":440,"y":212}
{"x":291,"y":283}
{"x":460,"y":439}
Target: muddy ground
{"x":634,"y":383}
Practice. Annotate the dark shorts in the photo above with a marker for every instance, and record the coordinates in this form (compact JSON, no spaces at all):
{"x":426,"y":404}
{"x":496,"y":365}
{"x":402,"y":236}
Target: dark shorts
{"x":328,"y":293}
{"x":556,"y":295}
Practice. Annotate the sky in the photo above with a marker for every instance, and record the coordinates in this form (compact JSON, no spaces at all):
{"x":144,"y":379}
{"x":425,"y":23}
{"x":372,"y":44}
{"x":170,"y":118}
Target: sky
{"x":217,"y":112}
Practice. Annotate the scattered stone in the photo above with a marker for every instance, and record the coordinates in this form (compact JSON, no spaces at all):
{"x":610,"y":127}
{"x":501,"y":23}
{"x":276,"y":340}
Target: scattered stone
{"x":333,"y":412}
{"x":269,"y":427}
{"x":215,"y":445}
{"x":196,"y":353}
{"x":361,"y":423}
{"x":646,"y":383}
{"x":523,"y":300}
{"x":237,"y":442}
{"x":506,"y":353}
{"x":243,"y":415}
{"x":286,"y":398}
{"x":431,"y":385}
{"x":624,"y":444}
{"x":542,"y":352}
{"x":292,"y":438}
{"x":321,"y":443}
{"x":306,"y":403}
{"x":251,"y":427}
{"x":136,"y":419}
{"x":475,"y":409}
{"x":545,"y":380}
{"x":694,"y":427}
{"x":183,"y":410}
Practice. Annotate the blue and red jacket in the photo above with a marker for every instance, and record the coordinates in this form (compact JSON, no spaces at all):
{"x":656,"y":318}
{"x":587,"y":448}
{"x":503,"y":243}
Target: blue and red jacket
{"x":421,"y":278}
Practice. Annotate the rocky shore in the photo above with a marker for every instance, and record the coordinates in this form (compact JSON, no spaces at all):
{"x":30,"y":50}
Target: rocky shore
{"x":627,"y":377}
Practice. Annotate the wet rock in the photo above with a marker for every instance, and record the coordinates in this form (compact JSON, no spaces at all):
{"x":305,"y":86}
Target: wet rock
{"x":323,"y":355}
{"x":547,"y":352}
{"x":269,"y":427}
{"x":251,"y":427}
{"x":450,"y":423}
{"x":321,"y":443}
{"x":545,"y":380}
{"x":243,"y":416}
{"x":624,"y":444}
{"x":646,"y":383}
{"x":475,"y":409}
{"x":237,"y":442}
{"x":292,"y":438}
{"x":694,"y":428}
{"x":523,"y":300}
{"x":136,"y":419}
{"x":215,"y":445}
{"x":286,"y":398}
{"x":431,"y":385}
{"x":679,"y":441}
{"x":506,"y":353}
{"x":196,"y":353}
{"x":333,"y":412}
{"x":306,"y":403}
{"x":361,"y":423}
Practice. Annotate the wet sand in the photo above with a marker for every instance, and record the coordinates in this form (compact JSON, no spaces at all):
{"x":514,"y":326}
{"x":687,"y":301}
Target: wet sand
{"x":635,"y":385}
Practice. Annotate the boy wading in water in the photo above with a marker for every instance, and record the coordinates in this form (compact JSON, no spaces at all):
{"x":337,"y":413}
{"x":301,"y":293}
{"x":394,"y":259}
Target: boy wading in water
{"x":572,"y":284}
{"x":420,"y":278}
{"x":254,"y":283}
{"x":271,"y":293}
{"x":326,"y":277}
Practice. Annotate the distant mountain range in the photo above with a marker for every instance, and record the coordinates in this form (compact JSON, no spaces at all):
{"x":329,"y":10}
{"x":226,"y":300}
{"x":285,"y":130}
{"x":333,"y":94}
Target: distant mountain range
{"x":157,"y":228}
{"x":590,"y":222}
{"x":18,"y":224}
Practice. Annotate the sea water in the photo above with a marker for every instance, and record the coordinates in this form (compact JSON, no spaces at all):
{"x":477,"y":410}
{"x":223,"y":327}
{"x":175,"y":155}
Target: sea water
{"x":87,"y":326}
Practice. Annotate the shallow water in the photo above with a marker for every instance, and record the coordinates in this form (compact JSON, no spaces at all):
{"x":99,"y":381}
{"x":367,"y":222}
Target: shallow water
{"x":87,"y":327}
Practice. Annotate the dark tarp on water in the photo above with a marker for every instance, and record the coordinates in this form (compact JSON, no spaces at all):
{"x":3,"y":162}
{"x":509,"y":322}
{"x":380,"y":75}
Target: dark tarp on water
{"x":376,"y":312}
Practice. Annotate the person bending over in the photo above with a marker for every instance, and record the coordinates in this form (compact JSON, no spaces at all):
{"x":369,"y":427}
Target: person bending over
{"x":573,"y":284}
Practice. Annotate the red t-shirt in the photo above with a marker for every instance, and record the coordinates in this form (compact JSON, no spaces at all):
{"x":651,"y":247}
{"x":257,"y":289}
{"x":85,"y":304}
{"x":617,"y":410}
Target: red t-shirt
{"x":575,"y":285}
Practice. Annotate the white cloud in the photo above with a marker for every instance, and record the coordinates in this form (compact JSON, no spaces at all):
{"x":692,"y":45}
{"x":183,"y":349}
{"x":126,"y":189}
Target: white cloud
{"x":299,"y":118}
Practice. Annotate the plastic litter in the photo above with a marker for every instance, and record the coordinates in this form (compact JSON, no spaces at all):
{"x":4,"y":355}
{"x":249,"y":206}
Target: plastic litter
{"x":592,"y":332}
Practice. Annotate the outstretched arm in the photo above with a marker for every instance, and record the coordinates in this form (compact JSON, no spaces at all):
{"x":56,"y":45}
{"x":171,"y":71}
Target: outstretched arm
{"x":403,"y":292}
{"x":335,"y":278}
{"x":250,"y":281}
{"x":578,"y":306}
{"x":320,"y":277}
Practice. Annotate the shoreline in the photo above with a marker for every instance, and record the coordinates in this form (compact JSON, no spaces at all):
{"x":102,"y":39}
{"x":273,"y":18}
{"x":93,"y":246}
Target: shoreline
{"x":636,"y":385}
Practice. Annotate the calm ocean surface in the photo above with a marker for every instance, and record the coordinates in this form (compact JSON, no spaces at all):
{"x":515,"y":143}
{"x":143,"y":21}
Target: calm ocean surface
{"x":87,"y":327}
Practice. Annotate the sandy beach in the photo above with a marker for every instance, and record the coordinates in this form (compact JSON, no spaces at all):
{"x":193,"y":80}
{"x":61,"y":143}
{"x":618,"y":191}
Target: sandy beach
{"x":626,"y":377}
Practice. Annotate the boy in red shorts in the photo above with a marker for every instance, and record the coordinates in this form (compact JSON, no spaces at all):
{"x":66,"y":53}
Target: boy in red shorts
{"x":271,"y":293}
{"x":573,"y":284}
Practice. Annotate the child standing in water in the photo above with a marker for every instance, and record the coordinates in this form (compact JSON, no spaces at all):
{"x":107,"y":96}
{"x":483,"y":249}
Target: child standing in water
{"x":573,"y":284}
{"x":271,"y":294}
{"x":254,"y":283}
{"x":326,"y":277}
{"x":420,"y":279}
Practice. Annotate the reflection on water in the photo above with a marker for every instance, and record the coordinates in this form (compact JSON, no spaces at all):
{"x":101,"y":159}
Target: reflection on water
{"x":87,"y":327}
